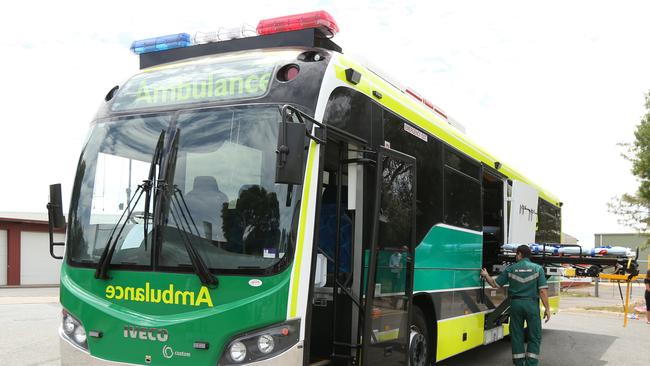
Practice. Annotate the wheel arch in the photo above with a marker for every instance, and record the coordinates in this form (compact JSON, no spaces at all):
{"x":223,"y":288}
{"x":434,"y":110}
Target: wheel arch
{"x":424,"y":301}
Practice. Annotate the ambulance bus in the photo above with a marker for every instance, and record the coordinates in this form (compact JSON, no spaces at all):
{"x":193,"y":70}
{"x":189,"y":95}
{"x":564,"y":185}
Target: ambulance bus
{"x":268,"y":200}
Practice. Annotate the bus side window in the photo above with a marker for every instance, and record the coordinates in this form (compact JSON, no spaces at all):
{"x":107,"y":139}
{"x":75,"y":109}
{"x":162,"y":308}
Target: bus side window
{"x":462,"y":191}
{"x":402,"y":137}
{"x":350,"y":111}
{"x":548,"y":224}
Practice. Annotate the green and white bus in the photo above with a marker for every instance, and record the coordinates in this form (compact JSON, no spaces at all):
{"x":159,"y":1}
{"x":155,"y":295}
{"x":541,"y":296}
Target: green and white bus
{"x":268,"y":200}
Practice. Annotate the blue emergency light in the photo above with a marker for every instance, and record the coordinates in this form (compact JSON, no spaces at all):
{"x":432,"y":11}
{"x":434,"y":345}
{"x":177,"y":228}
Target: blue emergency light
{"x":161,"y":43}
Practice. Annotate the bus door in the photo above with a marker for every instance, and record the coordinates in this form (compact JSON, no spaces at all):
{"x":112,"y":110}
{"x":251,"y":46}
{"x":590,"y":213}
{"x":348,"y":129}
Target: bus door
{"x":389,"y":284}
{"x":522,"y":220}
{"x":336,"y":306}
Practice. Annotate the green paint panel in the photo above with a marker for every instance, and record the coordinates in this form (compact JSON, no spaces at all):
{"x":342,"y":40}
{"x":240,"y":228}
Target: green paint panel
{"x":237,"y":307}
{"x":433,"y":279}
{"x":448,"y":258}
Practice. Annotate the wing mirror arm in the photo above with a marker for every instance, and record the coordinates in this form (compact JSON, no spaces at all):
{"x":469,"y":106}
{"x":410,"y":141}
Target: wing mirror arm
{"x":291,"y":144}
{"x":288,"y":112}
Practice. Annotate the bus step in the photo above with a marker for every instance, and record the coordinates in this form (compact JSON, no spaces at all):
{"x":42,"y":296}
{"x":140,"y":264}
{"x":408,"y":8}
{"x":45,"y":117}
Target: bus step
{"x":321,"y":363}
{"x":349,"y":345}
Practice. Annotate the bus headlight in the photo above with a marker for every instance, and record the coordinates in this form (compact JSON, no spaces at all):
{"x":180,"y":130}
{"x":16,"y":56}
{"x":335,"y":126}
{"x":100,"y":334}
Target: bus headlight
{"x":74,"y":331}
{"x":261,"y":344}
{"x":79,"y":335}
{"x":238,"y":352}
{"x":265,"y":343}
{"x":68,"y":324}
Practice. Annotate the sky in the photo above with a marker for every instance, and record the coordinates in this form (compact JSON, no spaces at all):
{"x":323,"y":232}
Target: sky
{"x":549,"y":87}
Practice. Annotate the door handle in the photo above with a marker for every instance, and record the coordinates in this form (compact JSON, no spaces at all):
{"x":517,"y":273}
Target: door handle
{"x":482,"y":294}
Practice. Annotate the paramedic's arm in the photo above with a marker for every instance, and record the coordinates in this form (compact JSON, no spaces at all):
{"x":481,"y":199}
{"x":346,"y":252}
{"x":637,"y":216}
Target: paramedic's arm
{"x":543,"y":294}
{"x":547,"y":309}
{"x":498,"y":283}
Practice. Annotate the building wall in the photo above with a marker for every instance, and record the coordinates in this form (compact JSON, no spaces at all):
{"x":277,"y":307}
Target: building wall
{"x":37,"y":267}
{"x":568,"y":239}
{"x":24,"y":250}
{"x":630,"y":240}
{"x":3,"y":257}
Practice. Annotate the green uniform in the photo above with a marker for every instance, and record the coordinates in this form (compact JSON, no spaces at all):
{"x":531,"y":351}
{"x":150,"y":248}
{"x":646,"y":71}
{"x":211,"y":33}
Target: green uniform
{"x":525,"y":279}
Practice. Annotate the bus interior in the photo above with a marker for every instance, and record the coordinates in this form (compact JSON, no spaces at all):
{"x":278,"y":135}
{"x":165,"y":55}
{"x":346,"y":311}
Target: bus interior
{"x":493,"y":218}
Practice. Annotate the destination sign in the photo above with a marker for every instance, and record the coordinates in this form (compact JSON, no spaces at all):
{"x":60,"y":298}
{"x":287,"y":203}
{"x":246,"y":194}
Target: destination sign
{"x":196,"y":82}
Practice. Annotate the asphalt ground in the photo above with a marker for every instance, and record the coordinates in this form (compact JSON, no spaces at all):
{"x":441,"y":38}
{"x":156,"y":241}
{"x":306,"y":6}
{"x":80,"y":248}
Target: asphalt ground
{"x":29,"y":318}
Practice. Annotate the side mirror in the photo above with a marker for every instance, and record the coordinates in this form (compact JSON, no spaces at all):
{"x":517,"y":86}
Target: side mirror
{"x":320,"y":275}
{"x":55,"y":207}
{"x":55,"y":216}
{"x":290,"y":153}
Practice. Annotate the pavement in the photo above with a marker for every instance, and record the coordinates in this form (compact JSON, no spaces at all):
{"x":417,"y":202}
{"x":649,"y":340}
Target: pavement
{"x":29,"y":318}
{"x":28,"y":295}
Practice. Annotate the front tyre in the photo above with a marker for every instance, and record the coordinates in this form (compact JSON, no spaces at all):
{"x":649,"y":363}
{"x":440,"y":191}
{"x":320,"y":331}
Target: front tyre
{"x":419,"y":345}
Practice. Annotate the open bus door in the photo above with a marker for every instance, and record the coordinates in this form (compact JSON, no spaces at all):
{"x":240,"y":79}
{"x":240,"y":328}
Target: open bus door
{"x":522,"y":220}
{"x":389,"y":288}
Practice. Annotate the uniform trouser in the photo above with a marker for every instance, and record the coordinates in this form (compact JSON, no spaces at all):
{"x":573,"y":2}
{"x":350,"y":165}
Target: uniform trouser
{"x":525,"y":310}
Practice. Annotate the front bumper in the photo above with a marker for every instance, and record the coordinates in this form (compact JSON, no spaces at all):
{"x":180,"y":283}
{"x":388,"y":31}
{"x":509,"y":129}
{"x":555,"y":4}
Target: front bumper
{"x":72,"y":355}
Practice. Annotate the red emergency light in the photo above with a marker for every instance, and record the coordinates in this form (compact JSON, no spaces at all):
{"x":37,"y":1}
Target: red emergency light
{"x":426,"y":102}
{"x":320,"y":20}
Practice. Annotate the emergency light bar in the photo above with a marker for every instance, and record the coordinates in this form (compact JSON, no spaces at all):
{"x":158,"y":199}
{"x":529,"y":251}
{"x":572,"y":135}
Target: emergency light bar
{"x":161,"y":43}
{"x":225,"y":34}
{"x":320,"y":20}
{"x":313,"y":29}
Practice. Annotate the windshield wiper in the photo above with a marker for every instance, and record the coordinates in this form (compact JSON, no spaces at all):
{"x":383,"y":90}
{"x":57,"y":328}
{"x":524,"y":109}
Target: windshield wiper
{"x":150,"y":184}
{"x":146,"y":186}
{"x":182,"y":217}
{"x":109,"y":249}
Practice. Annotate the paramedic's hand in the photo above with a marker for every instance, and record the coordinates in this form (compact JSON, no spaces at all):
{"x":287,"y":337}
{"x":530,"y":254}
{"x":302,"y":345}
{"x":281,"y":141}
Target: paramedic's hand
{"x":484,"y":273}
{"x":547,"y":315}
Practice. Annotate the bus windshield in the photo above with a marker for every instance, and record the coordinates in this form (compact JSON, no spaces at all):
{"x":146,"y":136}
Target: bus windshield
{"x":225,"y":199}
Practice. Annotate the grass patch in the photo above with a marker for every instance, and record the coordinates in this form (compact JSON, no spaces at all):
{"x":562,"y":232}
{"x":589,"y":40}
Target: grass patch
{"x":575,"y":294}
{"x":613,"y":309}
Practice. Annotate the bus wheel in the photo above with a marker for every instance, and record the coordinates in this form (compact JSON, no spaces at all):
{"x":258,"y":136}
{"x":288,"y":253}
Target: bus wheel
{"x":419,"y":354}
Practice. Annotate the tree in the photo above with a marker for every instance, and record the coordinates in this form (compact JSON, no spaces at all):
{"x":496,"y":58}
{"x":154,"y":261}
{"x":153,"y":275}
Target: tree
{"x":634,"y":209}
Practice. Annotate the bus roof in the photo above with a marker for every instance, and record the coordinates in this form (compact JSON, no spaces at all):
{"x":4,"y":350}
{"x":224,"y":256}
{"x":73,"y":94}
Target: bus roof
{"x":427,"y":118}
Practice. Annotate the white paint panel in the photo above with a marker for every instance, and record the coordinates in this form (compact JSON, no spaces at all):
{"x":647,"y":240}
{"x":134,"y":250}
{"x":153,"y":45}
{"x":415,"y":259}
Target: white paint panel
{"x":523,"y":213}
{"x":305,"y":267}
{"x":3,"y":257}
{"x":37,"y":267}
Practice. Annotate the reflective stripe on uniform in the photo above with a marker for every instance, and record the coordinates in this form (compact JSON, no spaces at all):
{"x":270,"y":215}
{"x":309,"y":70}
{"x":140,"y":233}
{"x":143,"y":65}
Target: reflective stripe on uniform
{"x":532,"y":355}
{"x":541,"y":287}
{"x":518,"y":355}
{"x":521,"y":279}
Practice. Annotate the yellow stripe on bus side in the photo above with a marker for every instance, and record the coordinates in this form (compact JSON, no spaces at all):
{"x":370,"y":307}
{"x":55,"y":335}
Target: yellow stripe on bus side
{"x":302,"y":229}
{"x":450,"y":335}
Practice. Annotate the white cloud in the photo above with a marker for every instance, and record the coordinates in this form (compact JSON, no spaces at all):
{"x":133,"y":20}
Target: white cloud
{"x":550,"y":87}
